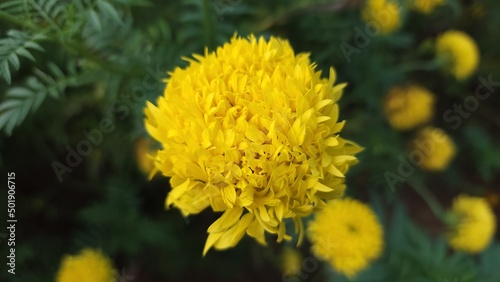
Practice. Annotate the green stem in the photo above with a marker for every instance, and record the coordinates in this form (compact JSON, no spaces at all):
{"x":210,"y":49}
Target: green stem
{"x":208,"y":25}
{"x":426,"y":47}
{"x":12,"y":19}
{"x":430,"y":200}
{"x":422,"y":65}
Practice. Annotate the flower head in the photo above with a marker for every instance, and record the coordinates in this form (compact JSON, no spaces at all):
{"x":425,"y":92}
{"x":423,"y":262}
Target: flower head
{"x":88,"y":266}
{"x":408,"y":107}
{"x":251,"y":130}
{"x":384,"y":15}
{"x":346,"y":234}
{"x":475,"y":226}
{"x":459,"y":51}
{"x":435,"y":149}
{"x":426,"y":6}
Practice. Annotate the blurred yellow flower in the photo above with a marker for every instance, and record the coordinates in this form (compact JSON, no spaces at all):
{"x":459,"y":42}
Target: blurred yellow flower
{"x":460,"y":52}
{"x":425,"y":6}
{"x":436,"y":149}
{"x":475,"y":227}
{"x":408,"y":107}
{"x":291,"y":261}
{"x":346,"y":234}
{"x":88,"y":266}
{"x":384,"y":15}
{"x":143,"y":153}
{"x":251,"y":130}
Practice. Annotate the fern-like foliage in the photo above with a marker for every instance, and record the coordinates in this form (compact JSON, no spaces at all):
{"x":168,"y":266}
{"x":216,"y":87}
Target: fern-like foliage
{"x":17,"y":43}
{"x":21,"y":100}
{"x":208,"y":23}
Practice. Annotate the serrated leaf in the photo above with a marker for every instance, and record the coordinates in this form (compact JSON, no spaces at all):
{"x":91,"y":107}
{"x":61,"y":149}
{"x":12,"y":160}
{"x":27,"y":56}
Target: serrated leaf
{"x":108,"y":9}
{"x":15,"y":33}
{"x":53,"y":93}
{"x":33,"y":83}
{"x":10,"y":104}
{"x":4,"y":69}
{"x":5,"y":117}
{"x":9,"y":4}
{"x":38,"y":100}
{"x":14,"y":60}
{"x":33,"y":45}
{"x":39,"y":37}
{"x":19,"y":92}
{"x":11,"y":123}
{"x":47,"y":79}
{"x":23,"y":52}
{"x":24,"y":110}
{"x":52,"y":8}
{"x":56,"y":70}
{"x":94,"y":20}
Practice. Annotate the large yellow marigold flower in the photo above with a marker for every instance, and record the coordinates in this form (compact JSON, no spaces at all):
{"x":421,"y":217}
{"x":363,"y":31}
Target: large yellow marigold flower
{"x":384,"y":15}
{"x":250,"y":130}
{"x":408,"y":107}
{"x":346,"y":234}
{"x":435,"y":149}
{"x":475,"y":227}
{"x":459,"y":51}
{"x":88,"y":266}
{"x":425,"y":6}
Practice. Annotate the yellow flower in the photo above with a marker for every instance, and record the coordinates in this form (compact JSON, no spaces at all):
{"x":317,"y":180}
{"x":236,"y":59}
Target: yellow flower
{"x":143,"y":153}
{"x":459,"y":51}
{"x":408,"y":107}
{"x":426,"y":6}
{"x":384,"y":15}
{"x":251,"y":130}
{"x":475,"y":227}
{"x":88,"y":266}
{"x":435,"y":149}
{"x":346,"y":234}
{"x":291,"y":262}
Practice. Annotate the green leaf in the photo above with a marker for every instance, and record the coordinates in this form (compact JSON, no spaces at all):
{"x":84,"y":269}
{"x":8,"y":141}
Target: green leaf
{"x":11,"y":123}
{"x":17,"y":43}
{"x":109,"y":10}
{"x":23,"y":52}
{"x":14,"y":60}
{"x":9,"y":104}
{"x":93,"y":18}
{"x":56,"y":70}
{"x":5,"y":117}
{"x":4,"y":70}
{"x":19,"y":92}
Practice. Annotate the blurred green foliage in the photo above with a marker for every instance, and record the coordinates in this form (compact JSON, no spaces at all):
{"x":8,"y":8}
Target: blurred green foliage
{"x":81,"y":70}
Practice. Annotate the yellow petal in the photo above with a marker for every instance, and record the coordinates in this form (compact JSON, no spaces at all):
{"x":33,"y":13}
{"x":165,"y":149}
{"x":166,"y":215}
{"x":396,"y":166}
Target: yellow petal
{"x":177,"y":191}
{"x":322,"y":187}
{"x":232,"y":236}
{"x":256,"y":230}
{"x":228,"y":219}
{"x":211,"y":240}
{"x":331,"y":142}
{"x":229,"y":195}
